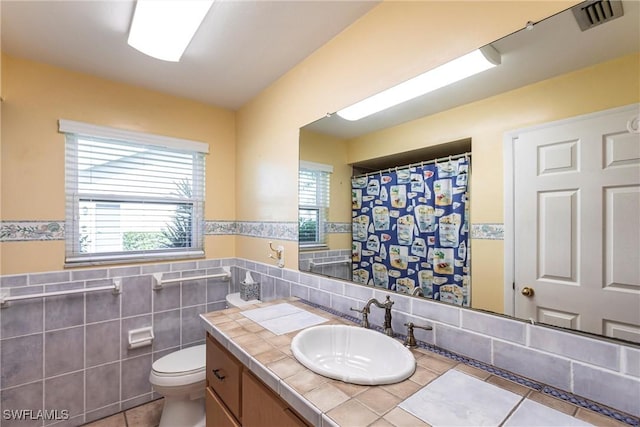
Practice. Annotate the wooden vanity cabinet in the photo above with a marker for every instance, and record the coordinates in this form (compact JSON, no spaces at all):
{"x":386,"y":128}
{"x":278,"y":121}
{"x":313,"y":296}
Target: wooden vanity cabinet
{"x":224,"y":376}
{"x":264,"y":407}
{"x":235,"y":397}
{"x":217,"y":413}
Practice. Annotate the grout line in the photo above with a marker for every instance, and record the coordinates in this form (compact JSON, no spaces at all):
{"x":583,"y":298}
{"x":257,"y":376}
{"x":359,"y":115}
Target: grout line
{"x":44,"y":354}
{"x":121,"y":297}
{"x":84,"y":364}
{"x":515,"y":407}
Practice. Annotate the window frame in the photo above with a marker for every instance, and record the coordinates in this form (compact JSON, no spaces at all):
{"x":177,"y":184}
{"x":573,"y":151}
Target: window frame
{"x":73,"y":256}
{"x":322,"y":211}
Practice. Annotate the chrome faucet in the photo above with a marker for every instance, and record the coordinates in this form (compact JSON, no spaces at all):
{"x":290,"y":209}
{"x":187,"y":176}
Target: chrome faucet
{"x":417,"y":291}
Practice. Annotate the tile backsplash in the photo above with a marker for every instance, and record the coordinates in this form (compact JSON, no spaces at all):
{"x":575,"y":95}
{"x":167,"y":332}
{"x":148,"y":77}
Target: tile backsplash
{"x":70,"y":352}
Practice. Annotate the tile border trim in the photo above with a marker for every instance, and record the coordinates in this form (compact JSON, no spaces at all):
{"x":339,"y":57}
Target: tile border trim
{"x":282,"y":230}
{"x":337,"y":227}
{"x":36,"y":230}
{"x":19,"y":231}
{"x":493,"y":231}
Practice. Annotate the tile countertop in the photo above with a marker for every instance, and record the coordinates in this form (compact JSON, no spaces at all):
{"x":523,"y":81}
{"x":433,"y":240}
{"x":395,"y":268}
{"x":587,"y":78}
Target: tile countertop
{"x":327,"y":402}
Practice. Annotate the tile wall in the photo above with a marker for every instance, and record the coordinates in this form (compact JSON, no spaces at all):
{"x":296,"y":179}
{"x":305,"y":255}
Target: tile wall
{"x":69,"y":352}
{"x":334,"y":263}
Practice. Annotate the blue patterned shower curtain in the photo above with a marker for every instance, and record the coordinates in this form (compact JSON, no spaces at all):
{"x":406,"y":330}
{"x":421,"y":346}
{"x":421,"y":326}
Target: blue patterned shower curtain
{"x":411,"y":229}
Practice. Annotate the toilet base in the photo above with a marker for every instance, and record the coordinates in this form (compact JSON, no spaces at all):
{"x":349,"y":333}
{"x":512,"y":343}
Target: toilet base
{"x":182,"y":412}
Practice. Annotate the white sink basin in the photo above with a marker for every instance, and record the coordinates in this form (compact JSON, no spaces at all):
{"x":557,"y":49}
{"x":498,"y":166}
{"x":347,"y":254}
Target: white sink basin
{"x":353,"y":354}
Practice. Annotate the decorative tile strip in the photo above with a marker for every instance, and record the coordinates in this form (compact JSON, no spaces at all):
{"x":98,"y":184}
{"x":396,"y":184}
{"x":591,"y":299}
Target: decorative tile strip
{"x":487,"y":231}
{"x":270,"y":230}
{"x":338,"y":227}
{"x":543,"y":388}
{"x":17,"y":231}
{"x":22,"y":231}
{"x":220,"y":227}
{"x":591,"y":405}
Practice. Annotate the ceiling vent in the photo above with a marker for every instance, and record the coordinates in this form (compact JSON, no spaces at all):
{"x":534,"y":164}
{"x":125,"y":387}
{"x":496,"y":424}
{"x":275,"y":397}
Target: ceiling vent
{"x":595,"y":12}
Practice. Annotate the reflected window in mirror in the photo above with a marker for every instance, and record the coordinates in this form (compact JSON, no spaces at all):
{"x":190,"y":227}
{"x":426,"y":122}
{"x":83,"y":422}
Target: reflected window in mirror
{"x":313,"y":195}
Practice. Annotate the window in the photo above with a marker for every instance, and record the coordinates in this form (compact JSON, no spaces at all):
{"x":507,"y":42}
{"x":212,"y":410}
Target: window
{"x":131,"y":196}
{"x":313,"y":195}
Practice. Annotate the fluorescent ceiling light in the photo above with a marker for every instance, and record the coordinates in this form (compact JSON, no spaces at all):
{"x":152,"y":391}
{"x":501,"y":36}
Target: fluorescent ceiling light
{"x":164,"y":28}
{"x":446,"y":74}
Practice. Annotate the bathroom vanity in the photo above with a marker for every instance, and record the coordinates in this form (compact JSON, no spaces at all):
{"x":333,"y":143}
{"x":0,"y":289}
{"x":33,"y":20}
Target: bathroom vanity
{"x":236,"y":397}
{"x":253,"y":379}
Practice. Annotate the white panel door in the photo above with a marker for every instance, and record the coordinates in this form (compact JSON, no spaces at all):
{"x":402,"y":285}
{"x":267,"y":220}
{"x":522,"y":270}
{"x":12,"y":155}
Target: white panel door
{"x":577,"y":224}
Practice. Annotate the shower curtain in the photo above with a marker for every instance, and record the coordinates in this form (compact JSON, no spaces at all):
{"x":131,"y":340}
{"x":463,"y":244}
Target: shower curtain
{"x":411,"y":230}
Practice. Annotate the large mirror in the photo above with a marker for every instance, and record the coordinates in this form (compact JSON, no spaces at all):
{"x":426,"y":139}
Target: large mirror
{"x":464,"y":139}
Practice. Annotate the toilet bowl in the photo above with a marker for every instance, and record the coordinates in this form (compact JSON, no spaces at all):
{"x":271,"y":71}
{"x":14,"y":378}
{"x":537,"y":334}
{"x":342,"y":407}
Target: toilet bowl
{"x":234,"y":300}
{"x":181,"y":378}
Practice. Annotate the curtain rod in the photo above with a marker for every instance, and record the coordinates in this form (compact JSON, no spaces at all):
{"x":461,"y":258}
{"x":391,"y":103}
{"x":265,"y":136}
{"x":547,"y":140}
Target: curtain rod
{"x":426,"y":162}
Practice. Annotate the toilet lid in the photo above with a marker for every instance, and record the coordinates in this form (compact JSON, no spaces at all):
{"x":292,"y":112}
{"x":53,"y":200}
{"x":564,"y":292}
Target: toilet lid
{"x":234,"y":300}
{"x":185,"y":360}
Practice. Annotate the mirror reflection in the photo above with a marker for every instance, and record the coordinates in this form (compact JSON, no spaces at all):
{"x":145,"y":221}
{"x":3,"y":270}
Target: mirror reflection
{"x":371,"y":212}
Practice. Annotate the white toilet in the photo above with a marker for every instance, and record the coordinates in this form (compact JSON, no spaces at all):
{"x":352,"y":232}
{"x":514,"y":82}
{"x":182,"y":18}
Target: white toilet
{"x":234,"y":300}
{"x":181,"y":378}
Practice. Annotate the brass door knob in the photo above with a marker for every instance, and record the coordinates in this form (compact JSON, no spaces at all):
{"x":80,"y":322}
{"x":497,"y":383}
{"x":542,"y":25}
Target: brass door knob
{"x":527,"y":291}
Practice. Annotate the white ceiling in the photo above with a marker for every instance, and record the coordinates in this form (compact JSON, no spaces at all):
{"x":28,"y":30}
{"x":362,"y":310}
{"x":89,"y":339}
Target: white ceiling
{"x":245,"y":45}
{"x":241,"y":48}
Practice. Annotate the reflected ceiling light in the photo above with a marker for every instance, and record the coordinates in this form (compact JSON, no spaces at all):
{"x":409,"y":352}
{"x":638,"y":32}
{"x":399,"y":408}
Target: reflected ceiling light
{"x":164,"y":28}
{"x":465,"y":66}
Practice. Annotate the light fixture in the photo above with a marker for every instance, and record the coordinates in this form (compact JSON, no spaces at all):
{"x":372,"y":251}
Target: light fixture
{"x":460,"y":68}
{"x":164,"y":28}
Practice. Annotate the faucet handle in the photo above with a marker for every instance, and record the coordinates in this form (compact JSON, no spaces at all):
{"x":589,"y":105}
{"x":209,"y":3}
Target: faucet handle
{"x":365,"y":316}
{"x":426,"y":328}
{"x":410,"y":341}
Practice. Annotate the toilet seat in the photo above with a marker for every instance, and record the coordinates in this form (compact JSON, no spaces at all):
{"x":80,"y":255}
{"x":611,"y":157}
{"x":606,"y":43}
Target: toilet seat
{"x":180,"y":368}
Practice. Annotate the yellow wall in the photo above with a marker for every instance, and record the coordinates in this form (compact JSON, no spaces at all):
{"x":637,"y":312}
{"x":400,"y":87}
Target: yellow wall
{"x":395,"y":41}
{"x":37,"y":95}
{"x":1,"y":103}
{"x":611,"y":84}
{"x":259,"y":163}
{"x":315,"y":147}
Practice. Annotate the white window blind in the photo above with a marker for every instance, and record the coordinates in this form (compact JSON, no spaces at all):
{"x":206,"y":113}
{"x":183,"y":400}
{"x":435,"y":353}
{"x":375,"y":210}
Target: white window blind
{"x":313,"y":201}
{"x":132,"y":200}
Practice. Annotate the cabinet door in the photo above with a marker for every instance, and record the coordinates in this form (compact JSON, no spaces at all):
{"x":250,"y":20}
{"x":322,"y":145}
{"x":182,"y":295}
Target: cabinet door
{"x":217,"y":414}
{"x":223,"y":376}
{"x":262,"y":407}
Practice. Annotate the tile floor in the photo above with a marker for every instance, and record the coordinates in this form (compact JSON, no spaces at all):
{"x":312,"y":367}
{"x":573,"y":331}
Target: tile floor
{"x":147,"y":415}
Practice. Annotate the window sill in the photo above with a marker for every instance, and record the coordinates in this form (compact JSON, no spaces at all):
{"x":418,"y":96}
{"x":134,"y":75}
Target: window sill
{"x":71,"y":262}
{"x":309,"y":248}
